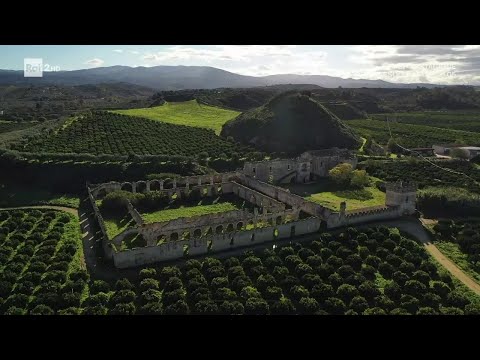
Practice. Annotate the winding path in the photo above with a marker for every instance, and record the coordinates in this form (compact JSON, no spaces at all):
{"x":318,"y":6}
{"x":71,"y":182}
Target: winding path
{"x":417,"y":230}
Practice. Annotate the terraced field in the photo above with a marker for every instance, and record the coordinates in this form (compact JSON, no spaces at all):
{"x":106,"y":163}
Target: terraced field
{"x":190,"y":113}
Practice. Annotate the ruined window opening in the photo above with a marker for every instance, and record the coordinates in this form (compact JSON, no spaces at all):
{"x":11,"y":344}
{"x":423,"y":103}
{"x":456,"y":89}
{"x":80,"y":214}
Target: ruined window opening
{"x":406,"y":199}
{"x":253,"y":170}
{"x":288,"y":167}
{"x":219,"y":229}
{"x":252,"y":238}
{"x":174,"y":237}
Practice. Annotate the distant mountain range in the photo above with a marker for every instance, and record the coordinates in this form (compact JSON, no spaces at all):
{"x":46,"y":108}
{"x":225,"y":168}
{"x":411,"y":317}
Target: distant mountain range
{"x":187,"y":77}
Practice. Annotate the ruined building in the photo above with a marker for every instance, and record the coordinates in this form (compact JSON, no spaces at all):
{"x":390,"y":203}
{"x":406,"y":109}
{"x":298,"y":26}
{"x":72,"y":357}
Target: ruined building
{"x":309,"y":166}
{"x":277,"y":213}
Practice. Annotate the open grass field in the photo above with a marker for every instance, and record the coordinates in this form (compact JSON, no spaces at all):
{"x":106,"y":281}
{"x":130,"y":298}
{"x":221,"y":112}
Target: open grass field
{"x":411,"y":135}
{"x":188,"y":211}
{"x":458,"y":120}
{"x":190,"y":113}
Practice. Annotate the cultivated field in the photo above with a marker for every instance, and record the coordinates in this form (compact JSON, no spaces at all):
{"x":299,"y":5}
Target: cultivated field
{"x":190,"y":113}
{"x":412,"y":136}
{"x":108,"y":133}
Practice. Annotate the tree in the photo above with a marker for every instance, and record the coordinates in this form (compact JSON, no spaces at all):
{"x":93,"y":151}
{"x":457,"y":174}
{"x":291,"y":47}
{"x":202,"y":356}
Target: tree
{"x":456,"y":299}
{"x":178,"y":308}
{"x":335,"y":306}
{"x":399,"y":311}
{"x":308,"y":305}
{"x":124,"y":284}
{"x":148,"y":283}
{"x":225,"y":294}
{"x":231,"y":308}
{"x":322,"y":292}
{"x":249,"y":292}
{"x":42,"y":310}
{"x":451,"y":311}
{"x":256,"y":306}
{"x":426,"y":311}
{"x":284,"y":306}
{"x":359,"y":179}
{"x":207,"y":307}
{"x":148,"y":273}
{"x":347,"y":292}
{"x":374,"y":311}
{"x":359,"y":304}
{"x":99,"y":286}
{"x":341,"y":174}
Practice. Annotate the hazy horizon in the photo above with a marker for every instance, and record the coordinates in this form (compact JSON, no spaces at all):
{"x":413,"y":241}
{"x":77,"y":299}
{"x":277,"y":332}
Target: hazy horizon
{"x":434,"y":64}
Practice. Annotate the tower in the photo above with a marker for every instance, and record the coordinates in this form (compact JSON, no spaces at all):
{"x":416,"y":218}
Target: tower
{"x":402,"y":194}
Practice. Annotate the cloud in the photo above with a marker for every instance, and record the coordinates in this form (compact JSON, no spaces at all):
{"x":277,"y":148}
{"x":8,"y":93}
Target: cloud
{"x":134,"y":52}
{"x":440,"y":64}
{"x":94,"y":62}
{"x":120,"y":51}
{"x":257,"y":60}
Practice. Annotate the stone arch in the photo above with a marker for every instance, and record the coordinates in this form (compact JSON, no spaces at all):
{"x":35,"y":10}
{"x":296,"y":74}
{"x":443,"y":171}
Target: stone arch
{"x":174,"y":236}
{"x":154,"y":185}
{"x":101,"y":193}
{"x":141,"y":186}
{"x":161,"y":239}
{"x":275,"y":233}
{"x":127,"y":187}
{"x":278,"y":220}
{"x":197,"y":233}
{"x":239,"y":225}
{"x":219,"y":229}
{"x":230,"y":228}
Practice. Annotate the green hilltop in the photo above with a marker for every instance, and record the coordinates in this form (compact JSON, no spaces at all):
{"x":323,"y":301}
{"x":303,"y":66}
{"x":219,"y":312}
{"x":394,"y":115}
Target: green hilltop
{"x":292,"y":123}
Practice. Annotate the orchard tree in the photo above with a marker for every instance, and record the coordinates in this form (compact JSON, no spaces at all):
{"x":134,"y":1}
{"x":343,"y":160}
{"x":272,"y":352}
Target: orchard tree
{"x":256,"y":306}
{"x":308,"y":305}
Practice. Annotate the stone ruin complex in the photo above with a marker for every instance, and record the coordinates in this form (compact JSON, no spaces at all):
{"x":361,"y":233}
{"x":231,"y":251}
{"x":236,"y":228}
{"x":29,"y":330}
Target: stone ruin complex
{"x":277,"y":214}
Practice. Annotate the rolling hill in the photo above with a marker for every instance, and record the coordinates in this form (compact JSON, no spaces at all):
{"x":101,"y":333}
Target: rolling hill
{"x":291,"y":122}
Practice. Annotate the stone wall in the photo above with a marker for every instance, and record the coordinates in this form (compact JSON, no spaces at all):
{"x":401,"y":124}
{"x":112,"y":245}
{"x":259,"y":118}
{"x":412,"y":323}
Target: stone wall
{"x":106,"y":245}
{"x":212,"y":244}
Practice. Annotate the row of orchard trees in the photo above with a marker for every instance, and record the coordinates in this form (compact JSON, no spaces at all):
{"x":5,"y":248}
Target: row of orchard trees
{"x":375,"y":272}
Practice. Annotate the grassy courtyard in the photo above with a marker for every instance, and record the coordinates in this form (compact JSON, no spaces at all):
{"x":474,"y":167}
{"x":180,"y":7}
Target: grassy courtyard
{"x":190,"y":113}
{"x":117,"y":224}
{"x":328,"y":194}
{"x":188,"y":211}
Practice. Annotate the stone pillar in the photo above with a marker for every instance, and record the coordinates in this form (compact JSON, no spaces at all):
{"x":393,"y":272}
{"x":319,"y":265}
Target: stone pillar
{"x":174,"y":183}
{"x":169,"y":193}
{"x":134,"y":187}
{"x":161,"y":185}
{"x":199,"y":182}
{"x":148,"y":186}
{"x":187,"y":185}
{"x":211,"y":180}
{"x":343,"y":208}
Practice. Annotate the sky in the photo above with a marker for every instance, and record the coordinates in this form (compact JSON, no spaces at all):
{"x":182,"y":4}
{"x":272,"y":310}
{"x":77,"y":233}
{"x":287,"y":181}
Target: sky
{"x":437,"y":64}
